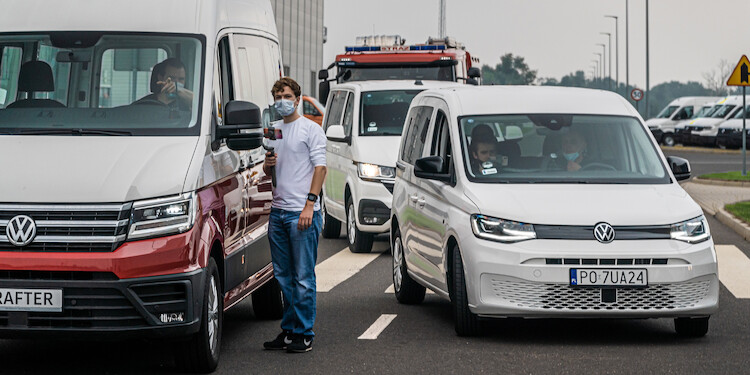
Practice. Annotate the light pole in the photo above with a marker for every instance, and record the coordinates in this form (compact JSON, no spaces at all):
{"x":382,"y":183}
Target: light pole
{"x":627,"y":52}
{"x":609,"y":37}
{"x":596,"y":69}
{"x":604,"y":56}
{"x":617,"y":54}
{"x":601,"y":65}
{"x":648,"y":87}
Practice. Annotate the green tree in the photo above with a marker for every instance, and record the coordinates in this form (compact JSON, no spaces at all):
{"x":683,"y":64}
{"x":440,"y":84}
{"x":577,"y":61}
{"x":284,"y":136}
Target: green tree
{"x":512,"y":70}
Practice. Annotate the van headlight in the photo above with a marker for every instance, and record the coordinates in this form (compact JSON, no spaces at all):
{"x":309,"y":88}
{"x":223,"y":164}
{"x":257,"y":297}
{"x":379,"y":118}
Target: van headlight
{"x":691,"y":231}
{"x":490,"y":228}
{"x":375,"y":172}
{"x":162,"y":217}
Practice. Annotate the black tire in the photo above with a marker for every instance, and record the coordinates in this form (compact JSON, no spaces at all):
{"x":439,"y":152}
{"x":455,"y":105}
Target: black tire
{"x":407,"y":290}
{"x":467,"y":323}
{"x":331,"y":226}
{"x":200,"y":354}
{"x":359,"y":242}
{"x":268,"y":302}
{"x":668,"y":139}
{"x":691,"y":327}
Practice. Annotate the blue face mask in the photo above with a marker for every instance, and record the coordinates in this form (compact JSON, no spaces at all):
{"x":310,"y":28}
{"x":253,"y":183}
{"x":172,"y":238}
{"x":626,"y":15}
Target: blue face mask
{"x":284,"y":107}
{"x":571,"y":157}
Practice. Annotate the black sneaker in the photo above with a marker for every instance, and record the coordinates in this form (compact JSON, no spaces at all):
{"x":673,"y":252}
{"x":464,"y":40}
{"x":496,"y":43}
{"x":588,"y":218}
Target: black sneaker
{"x":300,"y":344}
{"x":281,"y":341}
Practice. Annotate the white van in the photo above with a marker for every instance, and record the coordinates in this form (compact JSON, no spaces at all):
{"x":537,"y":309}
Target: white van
{"x":363,"y":124}
{"x":578,"y":214}
{"x":703,"y":131}
{"x":132,"y":197}
{"x":662,"y":126}
{"x":730,"y":132}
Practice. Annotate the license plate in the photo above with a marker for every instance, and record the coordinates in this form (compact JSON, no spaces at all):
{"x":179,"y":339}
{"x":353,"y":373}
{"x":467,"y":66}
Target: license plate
{"x":608,"y":277}
{"x":31,"y":299}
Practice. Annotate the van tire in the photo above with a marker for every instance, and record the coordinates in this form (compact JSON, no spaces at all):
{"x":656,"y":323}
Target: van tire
{"x":268,"y":302}
{"x":197,"y":354}
{"x":408,"y":291}
{"x":691,"y":327}
{"x":668,"y":139}
{"x":359,"y":242}
{"x":467,"y":323}
{"x":331,"y":226}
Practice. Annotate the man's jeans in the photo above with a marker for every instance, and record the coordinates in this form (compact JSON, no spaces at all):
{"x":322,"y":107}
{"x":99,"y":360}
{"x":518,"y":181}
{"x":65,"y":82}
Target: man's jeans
{"x":293,"y":253}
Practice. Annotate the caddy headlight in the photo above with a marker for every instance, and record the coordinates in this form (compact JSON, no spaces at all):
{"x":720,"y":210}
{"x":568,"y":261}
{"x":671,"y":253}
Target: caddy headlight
{"x":164,"y":216}
{"x":375,"y":172}
{"x":691,"y":231}
{"x":490,"y":228}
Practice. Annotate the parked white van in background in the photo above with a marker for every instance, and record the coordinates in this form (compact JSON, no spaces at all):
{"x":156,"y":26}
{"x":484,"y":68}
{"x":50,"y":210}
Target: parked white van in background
{"x":703,"y":131}
{"x":662,"y":126}
{"x":730,"y":132}
{"x":128,"y":211}
{"x":578,"y":214}
{"x":363,"y":124}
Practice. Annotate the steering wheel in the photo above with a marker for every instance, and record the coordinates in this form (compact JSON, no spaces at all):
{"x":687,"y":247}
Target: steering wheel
{"x":150,"y":101}
{"x":596,"y":166}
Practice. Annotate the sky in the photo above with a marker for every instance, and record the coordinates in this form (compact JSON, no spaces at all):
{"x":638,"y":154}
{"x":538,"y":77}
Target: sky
{"x":687,"y":37}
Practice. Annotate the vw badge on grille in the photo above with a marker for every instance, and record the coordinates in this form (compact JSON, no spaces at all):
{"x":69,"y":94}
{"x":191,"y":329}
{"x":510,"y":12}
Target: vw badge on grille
{"x":604,"y":233}
{"x":21,"y":230}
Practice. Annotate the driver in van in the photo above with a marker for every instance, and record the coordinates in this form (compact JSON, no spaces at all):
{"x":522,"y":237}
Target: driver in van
{"x":483,"y":150}
{"x":168,"y":85}
{"x":573,"y":146}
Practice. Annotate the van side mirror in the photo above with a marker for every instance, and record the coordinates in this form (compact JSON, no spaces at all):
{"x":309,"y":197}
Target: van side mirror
{"x":239,"y":116}
{"x":324,"y":88}
{"x":431,"y":168}
{"x":335,"y":133}
{"x":323,"y":74}
{"x":680,"y":167}
{"x":474,"y":73}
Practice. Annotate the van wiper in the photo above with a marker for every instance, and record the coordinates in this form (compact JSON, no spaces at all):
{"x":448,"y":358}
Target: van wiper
{"x":73,"y":132}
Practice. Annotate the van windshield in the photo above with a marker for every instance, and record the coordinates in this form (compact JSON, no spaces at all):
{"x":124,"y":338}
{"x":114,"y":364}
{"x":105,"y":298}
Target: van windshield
{"x":93,"y":83}
{"x":667,"y":112}
{"x":723,"y":111}
{"x":549,"y":148}
{"x":383,"y":112}
{"x":741,"y":113}
{"x":704,"y":112}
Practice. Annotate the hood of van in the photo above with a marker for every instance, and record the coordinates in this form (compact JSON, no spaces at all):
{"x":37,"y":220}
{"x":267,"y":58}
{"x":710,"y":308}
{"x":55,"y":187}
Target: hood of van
{"x":552,"y":204}
{"x":380,"y":150}
{"x":733,"y":124}
{"x":658,"y":122}
{"x":705,"y":121}
{"x":88,"y":169}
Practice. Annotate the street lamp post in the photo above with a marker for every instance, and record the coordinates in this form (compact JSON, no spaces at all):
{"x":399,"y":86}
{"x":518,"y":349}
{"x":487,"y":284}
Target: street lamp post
{"x":617,"y":54}
{"x":648,"y":86}
{"x":601,"y":65}
{"x":609,"y":36}
{"x":627,"y":52}
{"x":604,"y":57}
{"x":596,"y":69}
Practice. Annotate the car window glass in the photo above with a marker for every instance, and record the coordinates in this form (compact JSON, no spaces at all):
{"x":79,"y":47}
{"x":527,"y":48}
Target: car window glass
{"x":10,"y":65}
{"x":336,"y":108}
{"x":349,"y":114}
{"x":255,"y":60}
{"x":383,"y":112}
{"x":119,"y":87}
{"x":441,"y":145}
{"x":309,"y":109}
{"x":417,"y":136}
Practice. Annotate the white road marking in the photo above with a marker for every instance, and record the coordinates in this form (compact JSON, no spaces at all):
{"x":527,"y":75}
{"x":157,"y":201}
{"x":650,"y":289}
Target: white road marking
{"x":392,"y":290}
{"x":733,"y":270}
{"x":340,"y":267}
{"x":376,"y":328}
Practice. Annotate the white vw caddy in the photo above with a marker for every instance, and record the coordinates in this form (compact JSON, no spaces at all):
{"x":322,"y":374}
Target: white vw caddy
{"x":572,"y":212}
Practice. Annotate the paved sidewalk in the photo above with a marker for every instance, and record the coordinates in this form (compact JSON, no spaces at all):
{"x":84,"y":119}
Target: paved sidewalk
{"x":713,"y":198}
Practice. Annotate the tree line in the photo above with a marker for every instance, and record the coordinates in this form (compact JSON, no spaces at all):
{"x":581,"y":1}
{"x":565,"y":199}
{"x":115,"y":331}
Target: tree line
{"x":513,"y":70}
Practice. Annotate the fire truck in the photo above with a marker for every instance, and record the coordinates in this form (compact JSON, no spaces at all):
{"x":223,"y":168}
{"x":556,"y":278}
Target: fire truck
{"x":388,"y":57}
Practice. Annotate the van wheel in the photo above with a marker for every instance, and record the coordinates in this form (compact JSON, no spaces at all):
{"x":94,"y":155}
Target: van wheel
{"x":467,"y":323}
{"x":407,"y":290}
{"x":359,"y":242}
{"x":200,"y":354}
{"x":331,"y":226}
{"x":668,"y":139}
{"x":268,"y":302}
{"x":691,"y":327}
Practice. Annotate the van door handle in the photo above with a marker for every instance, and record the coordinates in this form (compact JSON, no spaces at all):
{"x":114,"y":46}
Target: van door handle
{"x":421,"y":202}
{"x":335,"y":148}
{"x":413,"y":198}
{"x":400,"y":165}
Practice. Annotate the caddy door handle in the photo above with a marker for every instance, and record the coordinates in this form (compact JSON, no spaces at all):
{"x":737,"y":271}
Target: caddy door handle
{"x":414,"y":198}
{"x":421,"y":202}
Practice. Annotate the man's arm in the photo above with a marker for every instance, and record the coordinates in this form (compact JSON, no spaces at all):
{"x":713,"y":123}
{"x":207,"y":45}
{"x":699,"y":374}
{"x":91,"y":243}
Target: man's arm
{"x":305,"y":218}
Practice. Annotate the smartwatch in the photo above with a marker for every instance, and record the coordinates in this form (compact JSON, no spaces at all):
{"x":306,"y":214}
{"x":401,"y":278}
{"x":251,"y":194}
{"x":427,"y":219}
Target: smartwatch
{"x":312,"y":197}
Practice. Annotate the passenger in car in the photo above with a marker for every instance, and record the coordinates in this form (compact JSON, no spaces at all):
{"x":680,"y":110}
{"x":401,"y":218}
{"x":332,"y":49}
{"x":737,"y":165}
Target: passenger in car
{"x":168,"y":85}
{"x":483,"y":150}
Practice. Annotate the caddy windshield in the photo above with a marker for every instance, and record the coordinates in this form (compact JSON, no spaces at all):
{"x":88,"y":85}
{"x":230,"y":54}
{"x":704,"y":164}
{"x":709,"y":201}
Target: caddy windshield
{"x":93,"y":83}
{"x":383,"y":112}
{"x":549,"y":148}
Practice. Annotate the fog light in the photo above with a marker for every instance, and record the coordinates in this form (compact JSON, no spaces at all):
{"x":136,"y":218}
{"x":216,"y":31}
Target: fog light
{"x":370,"y":220}
{"x":172,"y":318}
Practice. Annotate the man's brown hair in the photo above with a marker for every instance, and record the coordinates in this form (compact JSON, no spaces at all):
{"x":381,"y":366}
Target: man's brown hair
{"x":286,"y":81}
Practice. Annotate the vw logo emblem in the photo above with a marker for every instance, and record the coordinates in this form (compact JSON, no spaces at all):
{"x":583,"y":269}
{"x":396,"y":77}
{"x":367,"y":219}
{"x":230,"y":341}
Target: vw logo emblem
{"x":21,"y":230}
{"x":604,"y":233}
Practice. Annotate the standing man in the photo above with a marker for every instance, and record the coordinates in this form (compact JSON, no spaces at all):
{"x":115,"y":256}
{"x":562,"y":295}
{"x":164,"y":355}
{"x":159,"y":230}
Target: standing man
{"x":295,"y":222}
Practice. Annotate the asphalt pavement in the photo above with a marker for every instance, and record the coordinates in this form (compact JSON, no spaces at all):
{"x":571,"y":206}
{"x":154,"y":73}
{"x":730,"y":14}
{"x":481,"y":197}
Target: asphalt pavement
{"x":420,"y":338}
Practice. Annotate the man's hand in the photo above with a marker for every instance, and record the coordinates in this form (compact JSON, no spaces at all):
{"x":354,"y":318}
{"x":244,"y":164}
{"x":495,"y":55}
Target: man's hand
{"x":168,"y":86}
{"x":573,"y":166}
{"x":305,"y":218}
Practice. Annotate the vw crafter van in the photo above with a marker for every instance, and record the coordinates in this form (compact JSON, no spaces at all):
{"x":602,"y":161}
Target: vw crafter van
{"x":132,"y":198}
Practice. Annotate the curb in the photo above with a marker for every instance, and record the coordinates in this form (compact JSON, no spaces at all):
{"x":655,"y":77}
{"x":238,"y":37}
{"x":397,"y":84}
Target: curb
{"x":706,"y":181}
{"x":737,"y":225}
{"x":704,"y":150}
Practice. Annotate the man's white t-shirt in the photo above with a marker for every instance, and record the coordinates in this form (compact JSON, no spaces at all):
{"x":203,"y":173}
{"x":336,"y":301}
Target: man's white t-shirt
{"x":302,"y":147}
